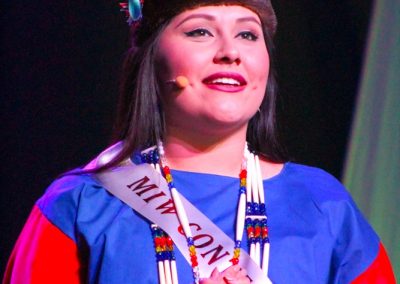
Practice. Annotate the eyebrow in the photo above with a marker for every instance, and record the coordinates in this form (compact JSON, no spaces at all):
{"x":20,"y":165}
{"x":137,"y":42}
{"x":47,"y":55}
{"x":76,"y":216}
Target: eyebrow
{"x":195,"y":16}
{"x":212,"y":18}
{"x":248,"y":19}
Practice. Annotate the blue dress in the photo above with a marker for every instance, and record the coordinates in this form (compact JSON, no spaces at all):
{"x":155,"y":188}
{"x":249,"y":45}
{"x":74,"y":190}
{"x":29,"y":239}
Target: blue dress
{"x":317,"y":233}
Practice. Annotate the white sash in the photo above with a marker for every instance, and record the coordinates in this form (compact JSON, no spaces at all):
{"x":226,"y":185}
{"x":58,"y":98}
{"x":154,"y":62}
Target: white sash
{"x":146,"y":191}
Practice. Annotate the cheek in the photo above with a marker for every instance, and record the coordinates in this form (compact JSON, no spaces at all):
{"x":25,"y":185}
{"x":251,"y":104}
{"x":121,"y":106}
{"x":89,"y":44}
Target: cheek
{"x":164,"y":61}
{"x":261,"y":61}
{"x":259,"y":69}
{"x":177,"y":57}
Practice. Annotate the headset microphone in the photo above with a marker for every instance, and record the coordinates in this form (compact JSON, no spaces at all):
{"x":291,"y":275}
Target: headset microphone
{"x":181,"y":82}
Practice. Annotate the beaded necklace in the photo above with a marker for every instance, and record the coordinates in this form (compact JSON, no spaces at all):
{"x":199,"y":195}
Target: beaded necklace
{"x":251,"y":215}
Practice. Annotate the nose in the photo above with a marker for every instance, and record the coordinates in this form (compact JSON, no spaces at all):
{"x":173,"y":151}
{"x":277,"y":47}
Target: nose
{"x":227,"y":52}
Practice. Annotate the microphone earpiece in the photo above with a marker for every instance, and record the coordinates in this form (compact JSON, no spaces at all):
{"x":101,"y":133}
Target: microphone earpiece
{"x":181,"y":82}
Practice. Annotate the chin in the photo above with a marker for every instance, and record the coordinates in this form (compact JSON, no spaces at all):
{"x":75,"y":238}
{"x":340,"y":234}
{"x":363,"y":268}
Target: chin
{"x":228,"y":122}
{"x":232,"y":115}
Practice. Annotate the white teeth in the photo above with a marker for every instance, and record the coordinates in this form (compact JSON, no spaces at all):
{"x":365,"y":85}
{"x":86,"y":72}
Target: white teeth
{"x":226,"y":81}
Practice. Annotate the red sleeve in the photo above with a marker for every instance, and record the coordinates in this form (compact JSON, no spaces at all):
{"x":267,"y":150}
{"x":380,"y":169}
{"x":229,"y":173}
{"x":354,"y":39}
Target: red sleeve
{"x":380,"y":271}
{"x":43,"y":254}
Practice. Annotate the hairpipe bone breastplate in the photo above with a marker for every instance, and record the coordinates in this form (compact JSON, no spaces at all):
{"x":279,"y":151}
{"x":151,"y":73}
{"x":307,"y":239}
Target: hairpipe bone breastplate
{"x":251,"y":214}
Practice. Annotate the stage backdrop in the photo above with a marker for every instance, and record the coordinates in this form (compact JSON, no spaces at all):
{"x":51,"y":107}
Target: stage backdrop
{"x":373,"y":164}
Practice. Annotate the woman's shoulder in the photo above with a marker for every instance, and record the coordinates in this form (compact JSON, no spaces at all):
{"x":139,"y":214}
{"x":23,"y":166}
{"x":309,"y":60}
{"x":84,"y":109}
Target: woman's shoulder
{"x":78,"y":204}
{"x":306,"y":171}
{"x":315,"y":203}
{"x":67,"y":189}
{"x":320,"y":185}
{"x":64,"y":198}
{"x":311,"y":189}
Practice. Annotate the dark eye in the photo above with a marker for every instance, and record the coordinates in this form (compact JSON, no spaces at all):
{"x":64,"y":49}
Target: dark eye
{"x":198,"y":33}
{"x":248,"y":35}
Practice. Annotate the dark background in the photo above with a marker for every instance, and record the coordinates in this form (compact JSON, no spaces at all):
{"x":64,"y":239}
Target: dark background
{"x":60,"y":63}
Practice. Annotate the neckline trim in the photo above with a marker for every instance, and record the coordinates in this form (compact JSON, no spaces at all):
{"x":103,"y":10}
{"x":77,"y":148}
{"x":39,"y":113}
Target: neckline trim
{"x":277,"y":176}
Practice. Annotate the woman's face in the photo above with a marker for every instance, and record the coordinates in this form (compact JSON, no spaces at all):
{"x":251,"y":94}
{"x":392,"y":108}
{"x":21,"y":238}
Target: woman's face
{"x":222,"y":52}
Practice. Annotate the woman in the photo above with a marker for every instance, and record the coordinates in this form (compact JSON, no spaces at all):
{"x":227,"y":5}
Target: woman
{"x":198,"y":84}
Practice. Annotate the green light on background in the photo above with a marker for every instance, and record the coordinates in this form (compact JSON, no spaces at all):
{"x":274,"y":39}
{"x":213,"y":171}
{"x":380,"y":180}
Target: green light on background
{"x":372,"y":172}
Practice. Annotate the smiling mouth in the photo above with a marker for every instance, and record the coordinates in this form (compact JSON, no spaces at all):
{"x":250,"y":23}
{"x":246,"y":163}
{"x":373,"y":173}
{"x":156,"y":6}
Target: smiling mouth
{"x":225,"y":81}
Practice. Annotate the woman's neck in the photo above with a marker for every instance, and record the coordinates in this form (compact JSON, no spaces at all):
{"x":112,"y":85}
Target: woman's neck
{"x":205,"y":154}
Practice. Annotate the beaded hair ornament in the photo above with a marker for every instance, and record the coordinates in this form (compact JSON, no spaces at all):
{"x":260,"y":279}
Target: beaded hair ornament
{"x":132,"y":10}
